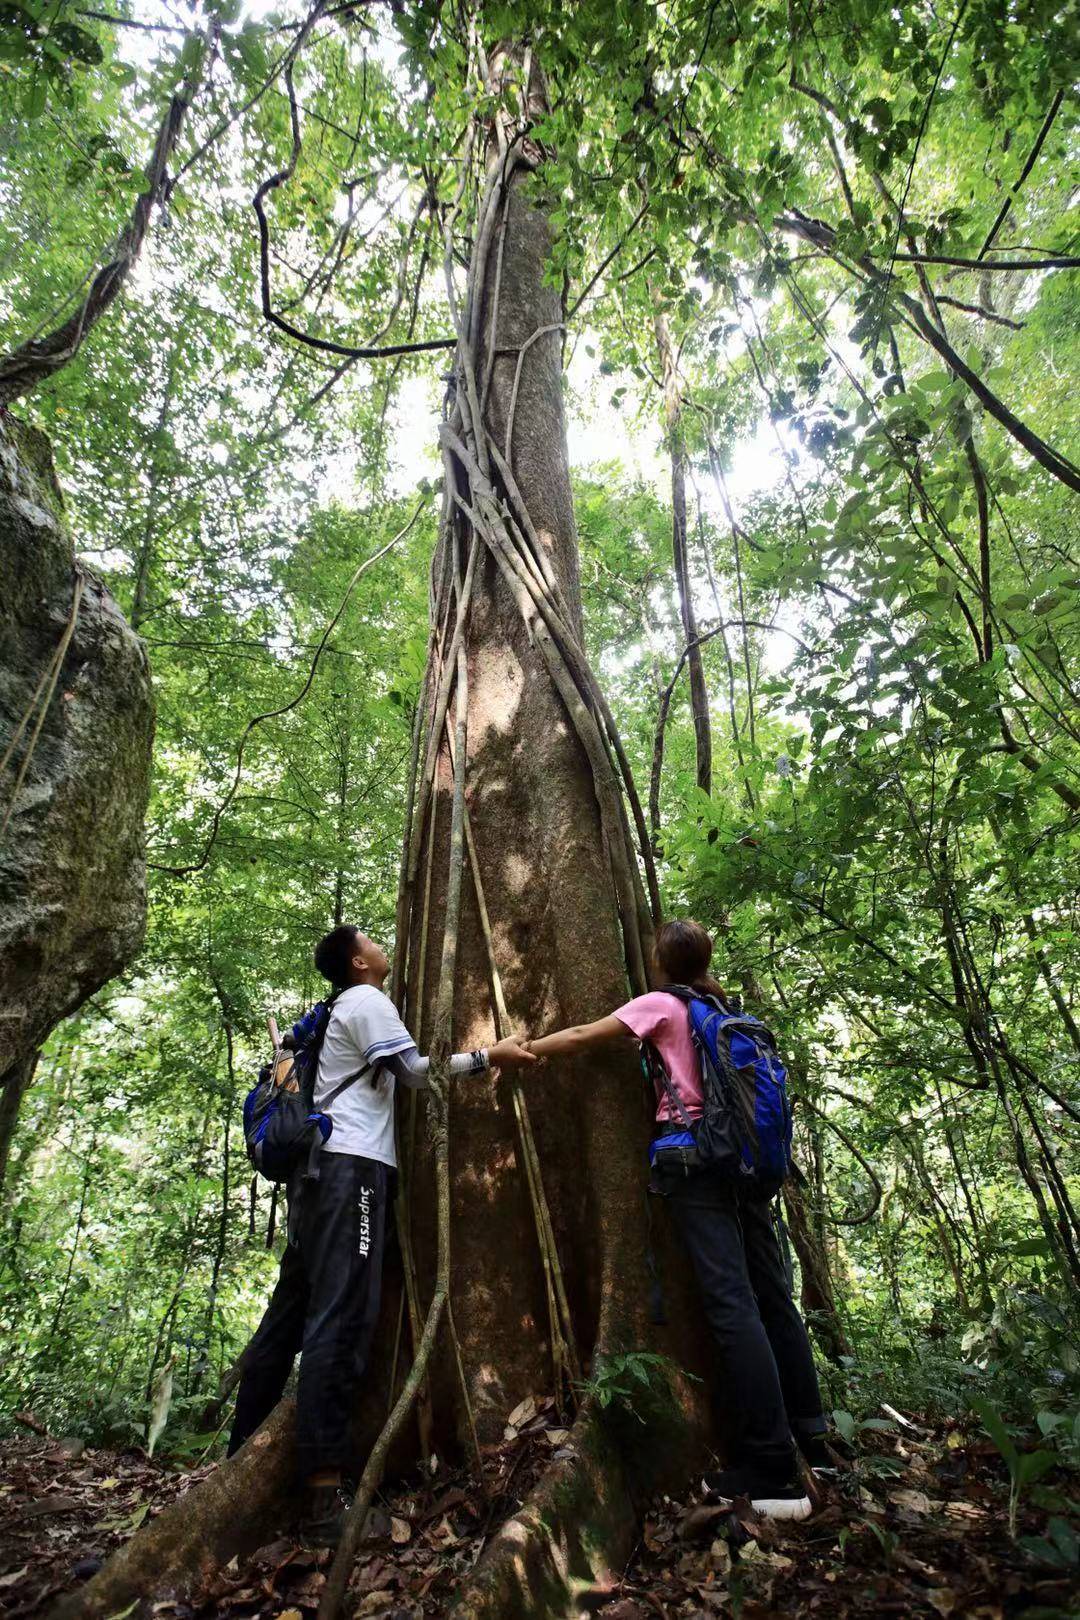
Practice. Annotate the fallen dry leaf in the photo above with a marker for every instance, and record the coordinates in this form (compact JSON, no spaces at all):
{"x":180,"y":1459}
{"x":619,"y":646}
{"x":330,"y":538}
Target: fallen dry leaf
{"x":400,"y":1531}
{"x":720,"y":1557}
{"x":523,"y":1412}
{"x":446,"y":1535}
{"x":914,"y":1501}
{"x":51,"y":1504}
{"x":964,"y":1510}
{"x":942,"y":1599}
{"x":375,"y":1601}
{"x":648,"y":1536}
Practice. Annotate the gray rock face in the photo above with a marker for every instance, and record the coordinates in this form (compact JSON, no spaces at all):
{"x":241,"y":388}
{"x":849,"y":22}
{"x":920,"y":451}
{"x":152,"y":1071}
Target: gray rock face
{"x":76,"y":723}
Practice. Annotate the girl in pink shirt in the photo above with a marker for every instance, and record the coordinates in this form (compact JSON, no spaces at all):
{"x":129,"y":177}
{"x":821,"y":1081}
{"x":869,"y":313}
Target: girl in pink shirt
{"x":766,"y":1362}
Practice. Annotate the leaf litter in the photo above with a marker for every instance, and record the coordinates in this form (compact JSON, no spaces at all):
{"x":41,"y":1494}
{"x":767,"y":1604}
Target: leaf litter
{"x":918,"y":1527}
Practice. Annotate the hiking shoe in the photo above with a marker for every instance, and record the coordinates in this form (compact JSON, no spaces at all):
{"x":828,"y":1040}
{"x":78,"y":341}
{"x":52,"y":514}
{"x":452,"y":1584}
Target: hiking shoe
{"x":324,"y":1515}
{"x":774,"y":1498}
{"x":827,"y":1453}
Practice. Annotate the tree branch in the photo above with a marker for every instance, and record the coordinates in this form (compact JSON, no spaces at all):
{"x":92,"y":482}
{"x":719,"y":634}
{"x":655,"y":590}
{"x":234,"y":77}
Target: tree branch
{"x":1024,"y":172}
{"x":616,"y":250}
{"x":823,"y":236}
{"x":128,"y":22}
{"x":983,"y":314}
{"x":325,"y":345}
{"x":30,"y":364}
{"x":1060,"y":261}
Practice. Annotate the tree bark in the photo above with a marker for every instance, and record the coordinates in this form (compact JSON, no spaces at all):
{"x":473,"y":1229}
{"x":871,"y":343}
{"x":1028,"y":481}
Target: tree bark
{"x":538,"y":824}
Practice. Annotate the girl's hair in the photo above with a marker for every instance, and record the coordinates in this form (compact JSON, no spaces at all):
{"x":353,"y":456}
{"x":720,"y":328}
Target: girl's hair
{"x":683,"y":953}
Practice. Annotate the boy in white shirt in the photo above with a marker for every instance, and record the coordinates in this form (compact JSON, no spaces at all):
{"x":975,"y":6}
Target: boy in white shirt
{"x":326,"y":1301}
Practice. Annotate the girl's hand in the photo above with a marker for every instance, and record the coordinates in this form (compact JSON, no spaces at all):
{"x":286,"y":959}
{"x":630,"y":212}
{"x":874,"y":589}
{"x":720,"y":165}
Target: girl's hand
{"x":511,"y":1053}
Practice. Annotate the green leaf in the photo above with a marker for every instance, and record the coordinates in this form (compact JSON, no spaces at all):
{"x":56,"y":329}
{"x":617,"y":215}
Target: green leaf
{"x":1032,"y":1465}
{"x":994,"y":1425}
{"x":35,"y":96}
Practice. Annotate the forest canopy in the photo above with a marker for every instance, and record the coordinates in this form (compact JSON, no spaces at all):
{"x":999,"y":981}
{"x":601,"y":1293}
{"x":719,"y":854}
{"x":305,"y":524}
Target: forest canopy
{"x":818,"y":265}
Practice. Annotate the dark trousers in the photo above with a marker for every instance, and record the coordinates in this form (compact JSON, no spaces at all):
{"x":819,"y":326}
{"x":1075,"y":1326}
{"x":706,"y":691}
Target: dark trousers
{"x":325,"y":1305}
{"x":767,"y":1366}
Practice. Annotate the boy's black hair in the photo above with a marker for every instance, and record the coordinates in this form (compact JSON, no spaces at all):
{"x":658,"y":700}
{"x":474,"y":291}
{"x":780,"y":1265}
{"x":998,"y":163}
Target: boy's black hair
{"x":334,"y":952}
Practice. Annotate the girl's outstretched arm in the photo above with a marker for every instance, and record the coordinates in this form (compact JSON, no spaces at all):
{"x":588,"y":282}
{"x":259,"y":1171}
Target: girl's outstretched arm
{"x":565,"y":1042}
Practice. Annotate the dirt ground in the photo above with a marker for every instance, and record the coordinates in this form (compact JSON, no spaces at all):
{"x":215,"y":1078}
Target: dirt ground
{"x":919,"y":1527}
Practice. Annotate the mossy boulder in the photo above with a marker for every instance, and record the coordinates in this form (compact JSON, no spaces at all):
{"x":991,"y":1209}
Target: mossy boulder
{"x":75,"y":740}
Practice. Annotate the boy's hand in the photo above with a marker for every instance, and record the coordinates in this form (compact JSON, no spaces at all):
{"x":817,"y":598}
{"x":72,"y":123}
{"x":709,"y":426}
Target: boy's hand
{"x":511,"y":1053}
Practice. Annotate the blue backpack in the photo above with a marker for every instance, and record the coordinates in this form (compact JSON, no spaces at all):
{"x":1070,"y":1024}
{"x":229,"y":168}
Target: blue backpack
{"x":281,"y":1126}
{"x":744,"y":1132}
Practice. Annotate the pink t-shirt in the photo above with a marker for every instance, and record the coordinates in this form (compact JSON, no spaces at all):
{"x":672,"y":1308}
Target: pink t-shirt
{"x":663,"y":1020}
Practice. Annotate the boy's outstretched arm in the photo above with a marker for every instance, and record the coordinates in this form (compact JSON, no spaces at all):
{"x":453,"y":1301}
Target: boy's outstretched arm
{"x":413,"y":1070}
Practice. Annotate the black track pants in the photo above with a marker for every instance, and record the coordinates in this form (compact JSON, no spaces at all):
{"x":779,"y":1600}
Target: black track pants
{"x":767,"y":1367}
{"x":326,"y":1305}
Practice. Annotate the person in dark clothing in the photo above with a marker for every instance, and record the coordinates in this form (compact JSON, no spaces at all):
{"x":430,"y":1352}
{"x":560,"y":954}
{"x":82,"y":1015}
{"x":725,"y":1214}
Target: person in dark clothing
{"x":325,"y":1304}
{"x":765,"y":1357}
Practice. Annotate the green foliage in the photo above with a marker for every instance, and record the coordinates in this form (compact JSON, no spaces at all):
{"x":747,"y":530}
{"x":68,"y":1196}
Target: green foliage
{"x":635,"y":1379}
{"x":1025,"y":1467}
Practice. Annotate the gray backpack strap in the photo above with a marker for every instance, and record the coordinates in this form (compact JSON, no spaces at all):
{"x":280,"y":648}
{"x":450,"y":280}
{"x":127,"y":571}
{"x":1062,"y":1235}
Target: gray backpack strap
{"x":343,"y":1085}
{"x":658,"y":1071}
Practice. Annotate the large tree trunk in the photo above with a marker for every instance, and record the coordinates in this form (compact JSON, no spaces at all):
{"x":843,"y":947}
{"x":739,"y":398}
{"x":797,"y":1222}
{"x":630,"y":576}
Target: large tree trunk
{"x":562,"y":935}
{"x":566,"y":916}
{"x":76,"y":721}
{"x":547,"y":884}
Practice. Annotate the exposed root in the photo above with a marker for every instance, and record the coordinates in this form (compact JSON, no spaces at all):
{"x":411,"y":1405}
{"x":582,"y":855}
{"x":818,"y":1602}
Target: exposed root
{"x":225,"y":1515}
{"x":577,"y":1528}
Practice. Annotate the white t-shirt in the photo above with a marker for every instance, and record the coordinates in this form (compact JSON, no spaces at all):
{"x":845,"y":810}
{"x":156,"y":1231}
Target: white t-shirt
{"x":364,"y":1028}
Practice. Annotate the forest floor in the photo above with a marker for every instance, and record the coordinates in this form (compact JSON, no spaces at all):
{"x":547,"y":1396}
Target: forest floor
{"x":920,"y":1527}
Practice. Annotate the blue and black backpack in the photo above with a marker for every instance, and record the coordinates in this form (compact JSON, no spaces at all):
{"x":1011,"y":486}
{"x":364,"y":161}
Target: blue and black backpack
{"x":282,"y":1128}
{"x":744,"y":1132}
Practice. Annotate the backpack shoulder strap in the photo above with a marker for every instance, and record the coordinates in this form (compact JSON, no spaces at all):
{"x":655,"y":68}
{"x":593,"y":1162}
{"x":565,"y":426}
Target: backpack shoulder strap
{"x":311,"y":1051}
{"x":686,"y":993}
{"x":656,"y":1069}
{"x":343,"y":1085}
